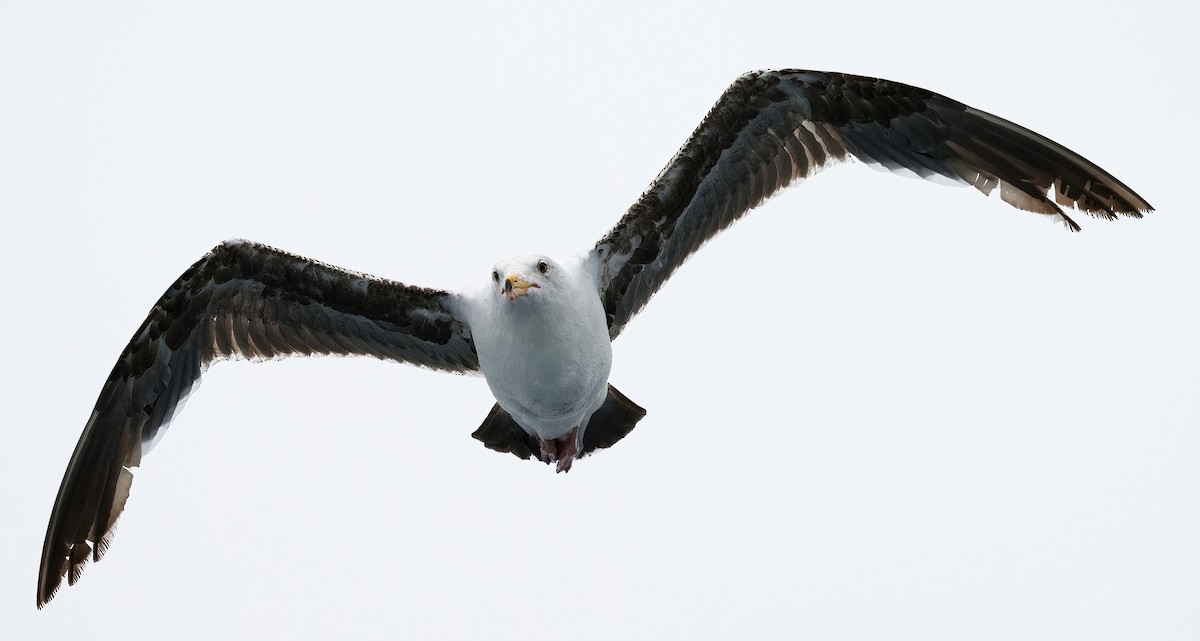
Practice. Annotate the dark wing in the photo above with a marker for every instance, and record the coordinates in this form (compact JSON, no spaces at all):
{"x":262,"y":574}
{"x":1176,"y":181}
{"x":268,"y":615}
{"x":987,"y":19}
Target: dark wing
{"x":773,"y":127}
{"x":242,"y":300}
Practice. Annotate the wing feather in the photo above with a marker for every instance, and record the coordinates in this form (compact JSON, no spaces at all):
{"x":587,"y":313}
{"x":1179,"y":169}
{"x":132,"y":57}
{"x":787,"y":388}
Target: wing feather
{"x":771,"y":128}
{"x":242,"y":300}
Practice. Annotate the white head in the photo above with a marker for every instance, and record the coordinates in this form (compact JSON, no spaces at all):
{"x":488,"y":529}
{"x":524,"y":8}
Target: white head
{"x":524,"y":278}
{"x":539,"y":285}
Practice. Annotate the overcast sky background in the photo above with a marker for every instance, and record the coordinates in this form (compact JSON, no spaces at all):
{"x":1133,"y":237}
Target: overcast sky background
{"x":878,"y":408}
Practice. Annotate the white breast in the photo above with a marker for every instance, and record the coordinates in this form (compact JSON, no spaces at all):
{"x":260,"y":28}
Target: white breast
{"x":546,"y":356}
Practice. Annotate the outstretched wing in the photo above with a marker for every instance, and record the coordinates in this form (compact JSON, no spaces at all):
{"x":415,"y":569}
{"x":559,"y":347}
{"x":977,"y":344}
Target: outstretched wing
{"x":241,"y":300}
{"x":773,"y":127}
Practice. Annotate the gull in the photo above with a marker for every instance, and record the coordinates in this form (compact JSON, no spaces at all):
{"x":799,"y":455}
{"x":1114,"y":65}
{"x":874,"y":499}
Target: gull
{"x":539,"y":328}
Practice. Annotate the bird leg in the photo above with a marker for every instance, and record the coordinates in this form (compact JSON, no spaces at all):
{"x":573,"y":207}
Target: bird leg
{"x":563,"y":450}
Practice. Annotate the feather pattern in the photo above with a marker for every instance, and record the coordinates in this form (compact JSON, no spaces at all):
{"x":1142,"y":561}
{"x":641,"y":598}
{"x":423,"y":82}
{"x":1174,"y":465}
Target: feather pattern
{"x":241,"y":300}
{"x":771,"y":128}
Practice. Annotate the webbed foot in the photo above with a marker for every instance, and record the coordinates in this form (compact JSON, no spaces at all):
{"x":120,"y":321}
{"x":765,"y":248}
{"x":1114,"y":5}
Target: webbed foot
{"x":562,"y":450}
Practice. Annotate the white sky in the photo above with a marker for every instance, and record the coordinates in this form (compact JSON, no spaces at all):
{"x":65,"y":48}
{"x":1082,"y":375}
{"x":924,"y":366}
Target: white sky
{"x":878,"y":408}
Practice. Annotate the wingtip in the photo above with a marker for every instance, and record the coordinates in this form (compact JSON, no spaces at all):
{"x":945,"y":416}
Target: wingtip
{"x":47,"y":591}
{"x":43,"y":599}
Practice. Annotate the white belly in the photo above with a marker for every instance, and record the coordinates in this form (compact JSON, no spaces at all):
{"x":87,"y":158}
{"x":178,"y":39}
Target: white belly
{"x":547,"y":368}
{"x":553,"y":390}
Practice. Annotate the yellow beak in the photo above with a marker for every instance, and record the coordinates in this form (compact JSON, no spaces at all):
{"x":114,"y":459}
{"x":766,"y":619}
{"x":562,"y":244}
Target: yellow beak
{"x":514,"y":286}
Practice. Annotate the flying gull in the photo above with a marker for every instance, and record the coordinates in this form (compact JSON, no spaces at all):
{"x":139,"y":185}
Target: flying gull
{"x":539,"y":328}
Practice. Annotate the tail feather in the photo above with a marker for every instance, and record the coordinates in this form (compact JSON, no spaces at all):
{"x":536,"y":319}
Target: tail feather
{"x":612,"y":422}
{"x":609,"y":424}
{"x":501,"y":433}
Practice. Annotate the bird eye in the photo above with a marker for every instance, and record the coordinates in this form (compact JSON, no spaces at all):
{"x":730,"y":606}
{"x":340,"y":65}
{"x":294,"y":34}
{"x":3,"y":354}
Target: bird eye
{"x":543,"y":266}
{"x":495,"y":276}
